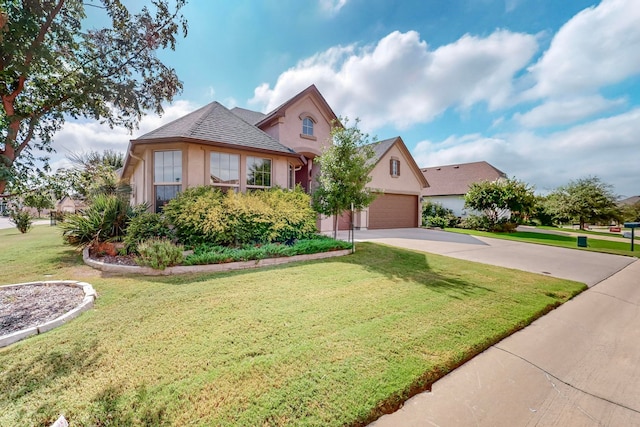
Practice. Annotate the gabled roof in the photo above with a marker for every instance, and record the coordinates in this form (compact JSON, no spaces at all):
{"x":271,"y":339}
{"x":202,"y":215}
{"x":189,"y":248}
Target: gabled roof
{"x":248,"y":116}
{"x":310,"y":91}
{"x":455,"y":179}
{"x":380,"y":148}
{"x":214,"y":123}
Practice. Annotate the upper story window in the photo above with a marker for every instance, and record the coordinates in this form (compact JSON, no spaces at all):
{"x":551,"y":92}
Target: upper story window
{"x":394,"y":167}
{"x":258,"y":172}
{"x":167,"y":176}
{"x":224,"y":170}
{"x":307,"y":126}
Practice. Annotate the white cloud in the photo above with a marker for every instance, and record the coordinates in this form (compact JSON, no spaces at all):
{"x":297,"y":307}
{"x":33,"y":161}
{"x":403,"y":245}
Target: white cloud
{"x":567,"y":111}
{"x":332,"y":6}
{"x":604,"y":147}
{"x":400,"y":81}
{"x":597,"y":47}
{"x":85,"y":136}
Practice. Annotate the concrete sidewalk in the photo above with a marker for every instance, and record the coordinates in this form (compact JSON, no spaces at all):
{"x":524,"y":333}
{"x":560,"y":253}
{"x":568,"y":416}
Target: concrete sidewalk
{"x":577,"y":366}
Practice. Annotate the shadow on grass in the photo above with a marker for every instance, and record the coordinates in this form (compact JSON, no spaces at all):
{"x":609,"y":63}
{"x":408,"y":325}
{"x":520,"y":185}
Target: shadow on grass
{"x":44,"y":369}
{"x":410,"y":266}
{"x":394,"y":263}
{"x":114,"y":406}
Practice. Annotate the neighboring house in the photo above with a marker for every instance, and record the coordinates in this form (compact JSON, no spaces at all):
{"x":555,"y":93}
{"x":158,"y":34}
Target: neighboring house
{"x":448,"y":184}
{"x":629,"y":201}
{"x":242,"y":150}
{"x":69,"y":204}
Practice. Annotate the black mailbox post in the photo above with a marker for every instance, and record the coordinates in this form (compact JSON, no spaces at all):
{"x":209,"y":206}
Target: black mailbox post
{"x":632,"y":226}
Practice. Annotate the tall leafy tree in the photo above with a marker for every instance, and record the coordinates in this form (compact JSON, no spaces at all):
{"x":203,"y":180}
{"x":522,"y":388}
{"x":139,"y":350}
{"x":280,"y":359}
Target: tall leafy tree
{"x":345,"y":168}
{"x":500,"y":199}
{"x":53,"y":68}
{"x":584,"y":200}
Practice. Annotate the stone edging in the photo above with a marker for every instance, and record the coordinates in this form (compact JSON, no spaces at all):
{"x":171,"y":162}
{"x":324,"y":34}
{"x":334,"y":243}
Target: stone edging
{"x":89,"y":297}
{"x":207,"y":268}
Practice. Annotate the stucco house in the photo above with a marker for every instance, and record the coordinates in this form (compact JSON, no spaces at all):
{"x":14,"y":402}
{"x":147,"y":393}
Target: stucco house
{"x":448,"y":184}
{"x":243,"y":150}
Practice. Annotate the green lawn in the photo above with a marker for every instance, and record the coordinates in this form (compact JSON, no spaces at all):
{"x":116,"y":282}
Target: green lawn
{"x":565,"y":241}
{"x":333,"y":342}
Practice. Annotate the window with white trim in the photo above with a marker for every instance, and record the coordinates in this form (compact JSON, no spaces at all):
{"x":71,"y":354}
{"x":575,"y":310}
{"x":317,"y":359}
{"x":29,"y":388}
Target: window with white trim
{"x":394,"y":167}
{"x":307,"y":126}
{"x":258,"y":172}
{"x":167,"y":176}
{"x":224,"y":170}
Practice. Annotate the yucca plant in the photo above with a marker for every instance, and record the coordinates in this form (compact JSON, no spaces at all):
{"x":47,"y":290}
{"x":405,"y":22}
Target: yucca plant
{"x":105,"y":220}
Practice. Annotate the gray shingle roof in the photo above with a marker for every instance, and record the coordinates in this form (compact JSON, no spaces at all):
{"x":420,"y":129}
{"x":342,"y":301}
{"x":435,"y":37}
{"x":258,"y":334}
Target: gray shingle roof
{"x":381,"y":147}
{"x":248,"y":116}
{"x":215,"y":123}
{"x":456,"y":179}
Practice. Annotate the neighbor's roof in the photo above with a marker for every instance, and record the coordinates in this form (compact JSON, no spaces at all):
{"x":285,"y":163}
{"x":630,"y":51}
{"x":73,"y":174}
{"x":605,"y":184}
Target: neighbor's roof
{"x":630,"y":200}
{"x":455,"y":179}
{"x":214,"y":123}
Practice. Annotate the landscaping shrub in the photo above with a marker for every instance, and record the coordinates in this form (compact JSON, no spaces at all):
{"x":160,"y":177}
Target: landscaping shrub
{"x":203,"y":214}
{"x":145,"y":226}
{"x":475,"y":222}
{"x":105,"y":220}
{"x":213,"y":254}
{"x":22,"y":219}
{"x":436,"y":221}
{"x":436,"y":215}
{"x":159,"y":253}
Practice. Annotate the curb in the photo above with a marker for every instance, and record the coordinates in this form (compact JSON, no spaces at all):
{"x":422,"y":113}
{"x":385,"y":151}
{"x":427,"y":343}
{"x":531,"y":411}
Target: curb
{"x":89,"y":297}
{"x":208,"y":268}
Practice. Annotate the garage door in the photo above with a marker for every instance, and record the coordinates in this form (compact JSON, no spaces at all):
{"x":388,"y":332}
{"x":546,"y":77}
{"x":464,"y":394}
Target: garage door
{"x":393,"y":211}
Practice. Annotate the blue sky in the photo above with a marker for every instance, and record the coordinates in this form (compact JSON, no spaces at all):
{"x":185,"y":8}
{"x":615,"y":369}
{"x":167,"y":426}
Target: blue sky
{"x":545,"y":90}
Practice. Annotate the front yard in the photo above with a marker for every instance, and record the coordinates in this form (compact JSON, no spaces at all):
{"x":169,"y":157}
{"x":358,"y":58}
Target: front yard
{"x":332,"y":342}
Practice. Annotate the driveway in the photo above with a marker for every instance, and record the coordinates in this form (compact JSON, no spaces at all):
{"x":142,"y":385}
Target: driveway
{"x":582,"y":266}
{"x":577,"y":366}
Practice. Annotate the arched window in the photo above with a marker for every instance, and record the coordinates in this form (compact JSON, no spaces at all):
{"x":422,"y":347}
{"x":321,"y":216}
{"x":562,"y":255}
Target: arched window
{"x":307,"y":126}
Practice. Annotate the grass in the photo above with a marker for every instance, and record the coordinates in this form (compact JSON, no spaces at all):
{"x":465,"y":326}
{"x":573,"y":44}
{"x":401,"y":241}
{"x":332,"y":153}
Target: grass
{"x":578,"y":231}
{"x":565,"y":241}
{"x":332,"y":342}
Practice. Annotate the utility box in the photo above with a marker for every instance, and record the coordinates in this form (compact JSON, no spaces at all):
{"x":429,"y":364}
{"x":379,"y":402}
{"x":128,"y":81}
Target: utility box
{"x":582,"y":241}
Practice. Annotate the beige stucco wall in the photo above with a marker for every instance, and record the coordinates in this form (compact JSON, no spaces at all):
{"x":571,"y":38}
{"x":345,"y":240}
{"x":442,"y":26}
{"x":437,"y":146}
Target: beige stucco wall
{"x":288,"y":129}
{"x":196,"y":167}
{"x":407,"y":183}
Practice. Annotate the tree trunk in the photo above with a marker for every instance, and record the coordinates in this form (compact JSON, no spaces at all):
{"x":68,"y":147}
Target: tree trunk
{"x":335,"y":225}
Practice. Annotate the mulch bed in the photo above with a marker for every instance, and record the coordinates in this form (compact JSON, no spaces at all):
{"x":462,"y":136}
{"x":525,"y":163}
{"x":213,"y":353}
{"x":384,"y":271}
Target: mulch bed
{"x":26,"y":306}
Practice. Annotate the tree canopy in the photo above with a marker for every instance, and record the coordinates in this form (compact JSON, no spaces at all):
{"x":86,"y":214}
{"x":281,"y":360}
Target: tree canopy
{"x":52,"y":67}
{"x":345,"y":168}
{"x":584,"y":200}
{"x":502,"y":198}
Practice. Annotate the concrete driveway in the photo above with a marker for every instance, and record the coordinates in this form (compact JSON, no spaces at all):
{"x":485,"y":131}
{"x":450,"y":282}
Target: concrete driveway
{"x":577,"y":366}
{"x":582,"y":266}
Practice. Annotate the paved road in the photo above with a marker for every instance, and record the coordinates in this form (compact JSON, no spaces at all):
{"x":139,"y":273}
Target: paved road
{"x":577,"y":366}
{"x":5,"y":223}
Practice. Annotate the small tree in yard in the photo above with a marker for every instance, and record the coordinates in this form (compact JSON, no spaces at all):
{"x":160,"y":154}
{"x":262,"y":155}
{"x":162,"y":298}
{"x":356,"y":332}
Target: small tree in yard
{"x":585,"y":200}
{"x":345,"y":168}
{"x":501,"y":198}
